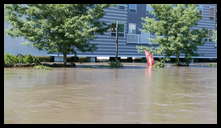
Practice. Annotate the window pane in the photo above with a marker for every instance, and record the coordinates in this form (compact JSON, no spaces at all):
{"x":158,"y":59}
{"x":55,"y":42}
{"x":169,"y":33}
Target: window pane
{"x":132,"y":28}
{"x":122,"y":6}
{"x":200,"y":8}
{"x":212,"y":13}
{"x":133,"y":6}
{"x":113,"y":26}
{"x":120,"y":29}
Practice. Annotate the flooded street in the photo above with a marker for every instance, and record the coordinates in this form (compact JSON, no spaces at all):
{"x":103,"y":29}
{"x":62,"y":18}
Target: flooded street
{"x":91,"y":95}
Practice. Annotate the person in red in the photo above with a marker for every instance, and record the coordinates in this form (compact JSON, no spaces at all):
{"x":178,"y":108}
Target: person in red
{"x":149,"y":57}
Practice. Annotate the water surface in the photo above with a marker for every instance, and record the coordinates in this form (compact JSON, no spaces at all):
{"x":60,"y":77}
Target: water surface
{"x":90,"y":95}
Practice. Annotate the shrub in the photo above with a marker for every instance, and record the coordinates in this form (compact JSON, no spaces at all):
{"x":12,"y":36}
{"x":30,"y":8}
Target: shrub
{"x":115,"y":64}
{"x":10,"y":59}
{"x":27,"y":59}
{"x":159,"y":64}
{"x":20,"y":58}
{"x":36,"y":60}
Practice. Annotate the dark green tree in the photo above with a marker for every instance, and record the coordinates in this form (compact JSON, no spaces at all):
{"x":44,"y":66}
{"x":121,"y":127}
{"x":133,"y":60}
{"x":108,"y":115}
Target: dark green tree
{"x":173,"y":27}
{"x":57,"y":28}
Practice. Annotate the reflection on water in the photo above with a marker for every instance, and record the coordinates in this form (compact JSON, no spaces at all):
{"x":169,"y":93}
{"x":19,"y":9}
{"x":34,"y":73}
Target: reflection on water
{"x":82,"y":95}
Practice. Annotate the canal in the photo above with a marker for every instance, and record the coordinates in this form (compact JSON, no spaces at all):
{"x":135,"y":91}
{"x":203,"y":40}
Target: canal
{"x":101,"y":95}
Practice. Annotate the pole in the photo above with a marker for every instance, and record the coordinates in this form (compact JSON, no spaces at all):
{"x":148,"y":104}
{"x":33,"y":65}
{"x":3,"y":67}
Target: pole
{"x":116,"y":40}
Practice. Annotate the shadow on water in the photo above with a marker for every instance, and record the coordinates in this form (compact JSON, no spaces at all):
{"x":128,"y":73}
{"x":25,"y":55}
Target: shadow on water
{"x":108,"y":67}
{"x":144,"y":66}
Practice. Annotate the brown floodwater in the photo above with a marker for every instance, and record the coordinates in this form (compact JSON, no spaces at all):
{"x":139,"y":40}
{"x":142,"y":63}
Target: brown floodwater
{"x":95,"y":95}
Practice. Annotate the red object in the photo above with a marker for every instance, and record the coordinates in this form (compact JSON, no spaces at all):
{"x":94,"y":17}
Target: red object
{"x":149,"y":57}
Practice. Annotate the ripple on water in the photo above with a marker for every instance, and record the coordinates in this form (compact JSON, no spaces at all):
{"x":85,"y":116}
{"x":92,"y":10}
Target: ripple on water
{"x":80,"y":95}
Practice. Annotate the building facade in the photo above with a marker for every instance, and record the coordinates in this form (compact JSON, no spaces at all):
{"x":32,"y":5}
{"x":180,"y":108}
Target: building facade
{"x":129,"y":18}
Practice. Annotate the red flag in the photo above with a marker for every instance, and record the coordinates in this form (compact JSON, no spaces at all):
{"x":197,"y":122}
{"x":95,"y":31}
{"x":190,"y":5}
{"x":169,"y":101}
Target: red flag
{"x":149,"y":57}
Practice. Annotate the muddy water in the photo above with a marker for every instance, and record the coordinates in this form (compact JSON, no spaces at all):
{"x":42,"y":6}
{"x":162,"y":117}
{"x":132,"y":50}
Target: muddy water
{"x":89,"y":95}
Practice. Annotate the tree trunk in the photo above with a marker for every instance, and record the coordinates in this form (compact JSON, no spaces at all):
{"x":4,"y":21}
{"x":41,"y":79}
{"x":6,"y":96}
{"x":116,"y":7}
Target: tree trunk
{"x":65,"y":58}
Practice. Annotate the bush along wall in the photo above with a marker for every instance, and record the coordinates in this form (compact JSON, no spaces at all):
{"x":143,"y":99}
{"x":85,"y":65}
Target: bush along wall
{"x":20,"y":60}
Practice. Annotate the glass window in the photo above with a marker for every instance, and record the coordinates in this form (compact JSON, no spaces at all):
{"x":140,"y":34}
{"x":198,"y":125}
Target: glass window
{"x":200,"y":7}
{"x":211,"y":18}
{"x":132,"y":28}
{"x":133,"y":7}
{"x":120,"y":29}
{"x":212,"y":13}
{"x":210,"y":35}
{"x":201,"y":12}
{"x":122,"y":6}
{"x":145,"y":38}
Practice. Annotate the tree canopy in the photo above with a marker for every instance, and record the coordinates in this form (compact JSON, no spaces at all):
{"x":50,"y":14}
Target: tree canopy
{"x":57,"y":28}
{"x":173,"y":25}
